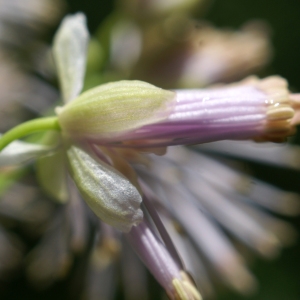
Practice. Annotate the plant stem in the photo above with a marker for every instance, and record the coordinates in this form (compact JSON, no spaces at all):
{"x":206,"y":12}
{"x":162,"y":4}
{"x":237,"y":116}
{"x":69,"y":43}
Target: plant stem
{"x":36,"y":125}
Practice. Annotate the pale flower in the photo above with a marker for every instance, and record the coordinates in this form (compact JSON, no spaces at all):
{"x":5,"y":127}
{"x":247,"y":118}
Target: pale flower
{"x":106,"y":137}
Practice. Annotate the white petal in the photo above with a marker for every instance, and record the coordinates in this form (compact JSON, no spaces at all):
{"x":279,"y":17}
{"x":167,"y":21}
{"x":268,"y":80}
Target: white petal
{"x":19,"y":152}
{"x":108,"y":193}
{"x":70,"y":51}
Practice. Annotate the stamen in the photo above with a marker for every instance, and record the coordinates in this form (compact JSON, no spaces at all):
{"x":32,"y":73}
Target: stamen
{"x":184,"y":288}
{"x":277,"y":112}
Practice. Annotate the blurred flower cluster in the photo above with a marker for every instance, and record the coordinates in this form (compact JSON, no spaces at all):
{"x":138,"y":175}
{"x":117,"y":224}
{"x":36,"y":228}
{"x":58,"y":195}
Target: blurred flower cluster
{"x":24,"y":93}
{"x":108,"y":192}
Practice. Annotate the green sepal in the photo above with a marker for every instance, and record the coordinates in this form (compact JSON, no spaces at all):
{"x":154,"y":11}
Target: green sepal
{"x":69,"y":52}
{"x":52,"y":171}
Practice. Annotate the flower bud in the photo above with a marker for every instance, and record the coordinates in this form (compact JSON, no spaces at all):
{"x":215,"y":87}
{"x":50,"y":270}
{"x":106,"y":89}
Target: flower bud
{"x":114,"y":108}
{"x":108,"y":193}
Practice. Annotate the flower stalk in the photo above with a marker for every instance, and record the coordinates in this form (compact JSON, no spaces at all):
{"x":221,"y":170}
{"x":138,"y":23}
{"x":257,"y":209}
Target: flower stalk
{"x":33,"y":126}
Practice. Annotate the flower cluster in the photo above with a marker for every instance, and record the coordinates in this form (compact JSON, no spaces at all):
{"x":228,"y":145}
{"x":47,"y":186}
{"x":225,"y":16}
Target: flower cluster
{"x":108,"y":147}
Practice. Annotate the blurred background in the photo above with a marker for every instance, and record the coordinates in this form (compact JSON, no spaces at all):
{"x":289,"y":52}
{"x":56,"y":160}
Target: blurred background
{"x":278,"y":279}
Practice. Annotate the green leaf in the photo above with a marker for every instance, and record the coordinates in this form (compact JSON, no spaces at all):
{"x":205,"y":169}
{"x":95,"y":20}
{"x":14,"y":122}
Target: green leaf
{"x":108,"y":193}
